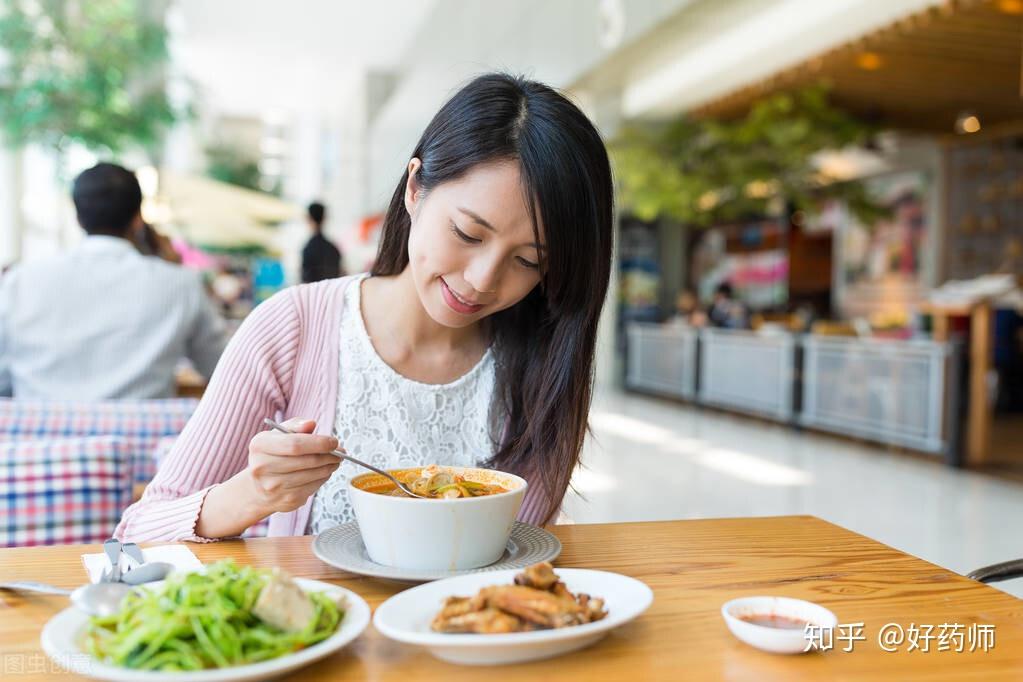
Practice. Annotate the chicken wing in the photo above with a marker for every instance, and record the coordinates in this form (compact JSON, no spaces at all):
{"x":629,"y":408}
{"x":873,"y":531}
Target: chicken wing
{"x":537,"y":600}
{"x":592,"y":607}
{"x":541,"y":576}
{"x":488,"y":621}
{"x":535,"y":606}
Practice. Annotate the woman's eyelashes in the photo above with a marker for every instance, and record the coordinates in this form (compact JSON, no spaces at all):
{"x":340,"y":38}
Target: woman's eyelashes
{"x":463,"y":236}
{"x":526,"y":263}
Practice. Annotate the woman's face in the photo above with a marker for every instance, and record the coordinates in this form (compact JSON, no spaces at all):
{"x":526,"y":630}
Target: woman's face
{"x":471,"y":248}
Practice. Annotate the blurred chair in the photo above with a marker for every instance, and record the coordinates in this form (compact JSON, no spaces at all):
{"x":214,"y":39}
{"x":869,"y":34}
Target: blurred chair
{"x":139,"y":423}
{"x":787,"y":321}
{"x":832,"y":328}
{"x":1007,"y":570}
{"x":63,"y":491}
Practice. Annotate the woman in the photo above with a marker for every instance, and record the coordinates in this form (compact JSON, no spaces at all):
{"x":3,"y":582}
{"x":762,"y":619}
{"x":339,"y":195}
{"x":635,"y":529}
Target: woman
{"x":470,"y":342}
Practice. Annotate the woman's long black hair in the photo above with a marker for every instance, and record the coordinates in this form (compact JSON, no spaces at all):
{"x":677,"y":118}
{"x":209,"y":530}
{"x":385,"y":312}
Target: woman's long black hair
{"x":544,"y":345}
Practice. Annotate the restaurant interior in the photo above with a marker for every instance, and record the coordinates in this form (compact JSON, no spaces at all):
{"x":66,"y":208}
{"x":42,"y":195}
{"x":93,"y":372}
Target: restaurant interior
{"x":805,"y":431}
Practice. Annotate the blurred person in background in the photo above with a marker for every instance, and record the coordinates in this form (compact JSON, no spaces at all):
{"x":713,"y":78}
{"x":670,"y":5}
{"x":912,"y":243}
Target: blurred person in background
{"x":103,"y":321}
{"x":687,"y":310}
{"x":320,"y":258}
{"x":727,"y":311}
{"x":150,"y":242}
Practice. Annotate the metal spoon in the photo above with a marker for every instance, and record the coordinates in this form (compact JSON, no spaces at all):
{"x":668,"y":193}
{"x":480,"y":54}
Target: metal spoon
{"x":95,"y":599}
{"x":104,"y":598}
{"x":344,"y":455}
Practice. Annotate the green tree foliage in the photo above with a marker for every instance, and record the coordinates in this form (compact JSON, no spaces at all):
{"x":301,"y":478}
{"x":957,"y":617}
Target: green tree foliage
{"x":708,"y":171}
{"x":227,"y":164}
{"x":83,"y":71}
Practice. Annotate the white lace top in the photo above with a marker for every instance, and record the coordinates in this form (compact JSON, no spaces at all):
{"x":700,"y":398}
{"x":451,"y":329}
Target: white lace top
{"x":394,"y":422}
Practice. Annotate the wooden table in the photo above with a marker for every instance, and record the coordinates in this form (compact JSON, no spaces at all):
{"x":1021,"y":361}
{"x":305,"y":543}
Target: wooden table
{"x":693,"y":568}
{"x":189,"y":384}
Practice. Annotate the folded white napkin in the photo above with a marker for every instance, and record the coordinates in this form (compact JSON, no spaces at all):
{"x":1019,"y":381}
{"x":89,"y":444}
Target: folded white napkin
{"x":178,"y":555}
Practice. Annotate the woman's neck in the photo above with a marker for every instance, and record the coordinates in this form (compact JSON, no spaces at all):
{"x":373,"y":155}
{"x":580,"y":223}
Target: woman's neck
{"x":391,"y":310}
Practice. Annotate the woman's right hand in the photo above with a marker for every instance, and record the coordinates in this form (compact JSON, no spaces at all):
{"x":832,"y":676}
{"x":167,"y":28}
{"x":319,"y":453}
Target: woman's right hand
{"x":286,"y":468}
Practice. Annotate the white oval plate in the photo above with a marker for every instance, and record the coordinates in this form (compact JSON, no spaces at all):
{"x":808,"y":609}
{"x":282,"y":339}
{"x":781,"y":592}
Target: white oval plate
{"x":62,"y":634}
{"x":406,"y":617}
{"x":342,"y":547}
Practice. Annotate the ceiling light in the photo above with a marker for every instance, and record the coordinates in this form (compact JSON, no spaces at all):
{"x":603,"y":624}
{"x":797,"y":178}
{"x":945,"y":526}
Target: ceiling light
{"x":1010,"y":6}
{"x":966,"y":123}
{"x":869,"y":61}
{"x":849,"y":163}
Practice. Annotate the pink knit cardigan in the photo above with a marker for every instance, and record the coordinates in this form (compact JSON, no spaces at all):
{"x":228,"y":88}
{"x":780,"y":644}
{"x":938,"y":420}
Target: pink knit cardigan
{"x":283,"y":363}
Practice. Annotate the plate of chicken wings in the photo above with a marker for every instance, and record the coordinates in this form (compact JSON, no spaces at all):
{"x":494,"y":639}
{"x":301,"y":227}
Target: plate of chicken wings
{"x":512,"y":616}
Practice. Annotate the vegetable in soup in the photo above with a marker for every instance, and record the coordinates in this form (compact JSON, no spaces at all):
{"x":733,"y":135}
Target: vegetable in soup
{"x":437,"y":483}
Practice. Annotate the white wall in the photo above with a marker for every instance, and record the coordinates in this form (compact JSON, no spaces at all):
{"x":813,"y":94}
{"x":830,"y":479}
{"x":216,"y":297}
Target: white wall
{"x":11,"y":189}
{"x":553,"y":41}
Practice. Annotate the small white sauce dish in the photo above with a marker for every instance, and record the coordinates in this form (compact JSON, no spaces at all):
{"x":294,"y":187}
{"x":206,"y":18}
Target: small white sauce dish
{"x":773,"y":639}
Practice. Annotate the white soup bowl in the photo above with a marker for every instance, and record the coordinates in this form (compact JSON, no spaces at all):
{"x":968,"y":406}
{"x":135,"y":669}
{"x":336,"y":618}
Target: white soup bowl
{"x":442,"y":534}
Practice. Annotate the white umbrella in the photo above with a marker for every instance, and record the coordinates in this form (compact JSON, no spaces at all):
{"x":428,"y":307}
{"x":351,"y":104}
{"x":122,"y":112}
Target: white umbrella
{"x":216,"y":214}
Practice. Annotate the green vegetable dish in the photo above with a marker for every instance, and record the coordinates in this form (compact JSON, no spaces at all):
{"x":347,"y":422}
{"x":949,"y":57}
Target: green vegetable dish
{"x":227,"y":616}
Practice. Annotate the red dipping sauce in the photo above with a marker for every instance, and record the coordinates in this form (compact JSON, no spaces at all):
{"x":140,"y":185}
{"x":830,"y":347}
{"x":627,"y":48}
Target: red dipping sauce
{"x":773,"y":620}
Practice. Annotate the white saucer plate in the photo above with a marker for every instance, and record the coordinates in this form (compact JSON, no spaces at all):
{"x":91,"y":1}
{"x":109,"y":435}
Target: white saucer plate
{"x":406,"y":617}
{"x":342,"y":547}
{"x":776,"y":640}
{"x":62,"y":635}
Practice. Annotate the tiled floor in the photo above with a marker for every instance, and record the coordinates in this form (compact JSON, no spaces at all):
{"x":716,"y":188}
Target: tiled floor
{"x":651,"y":460}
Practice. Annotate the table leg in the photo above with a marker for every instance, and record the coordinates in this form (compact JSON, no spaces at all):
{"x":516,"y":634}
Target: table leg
{"x":979,"y":421}
{"x":939,"y":327}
